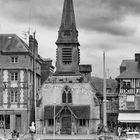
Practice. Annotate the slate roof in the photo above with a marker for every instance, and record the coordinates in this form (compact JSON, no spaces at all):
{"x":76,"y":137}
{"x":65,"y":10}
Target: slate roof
{"x":132,"y":70}
{"x":12,"y":43}
{"x":81,"y":112}
{"x":98,"y":83}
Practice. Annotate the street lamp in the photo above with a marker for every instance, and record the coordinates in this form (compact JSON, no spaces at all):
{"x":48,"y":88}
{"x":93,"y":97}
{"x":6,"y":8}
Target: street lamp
{"x":54,"y":120}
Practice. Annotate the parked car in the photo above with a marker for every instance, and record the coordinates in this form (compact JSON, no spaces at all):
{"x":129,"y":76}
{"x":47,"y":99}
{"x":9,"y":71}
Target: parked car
{"x":132,"y":136}
{"x":105,"y":137}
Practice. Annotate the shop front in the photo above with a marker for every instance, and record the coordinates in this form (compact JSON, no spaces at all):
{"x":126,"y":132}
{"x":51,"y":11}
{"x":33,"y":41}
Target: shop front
{"x":129,"y":121}
{"x":13,"y":120}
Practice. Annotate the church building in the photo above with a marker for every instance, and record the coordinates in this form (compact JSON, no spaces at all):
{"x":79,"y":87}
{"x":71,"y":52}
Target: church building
{"x":69,"y":103}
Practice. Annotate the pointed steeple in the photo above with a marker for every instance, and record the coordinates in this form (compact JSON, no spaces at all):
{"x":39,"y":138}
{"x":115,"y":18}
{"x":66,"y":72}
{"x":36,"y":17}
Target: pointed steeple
{"x":68,"y":32}
{"x":68,"y":17}
{"x":68,"y":53}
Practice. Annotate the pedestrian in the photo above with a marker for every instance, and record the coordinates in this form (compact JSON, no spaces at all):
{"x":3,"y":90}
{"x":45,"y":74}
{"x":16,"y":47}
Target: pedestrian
{"x":119,"y":131}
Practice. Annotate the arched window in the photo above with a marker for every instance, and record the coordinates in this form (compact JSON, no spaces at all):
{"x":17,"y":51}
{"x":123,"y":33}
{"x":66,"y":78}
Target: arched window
{"x":64,"y":97}
{"x":67,"y":96}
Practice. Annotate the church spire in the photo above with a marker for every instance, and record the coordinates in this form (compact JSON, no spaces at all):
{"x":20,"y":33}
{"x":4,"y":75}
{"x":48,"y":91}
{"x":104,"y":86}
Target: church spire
{"x":68,"y":17}
{"x":68,"y":53}
{"x":68,"y":32}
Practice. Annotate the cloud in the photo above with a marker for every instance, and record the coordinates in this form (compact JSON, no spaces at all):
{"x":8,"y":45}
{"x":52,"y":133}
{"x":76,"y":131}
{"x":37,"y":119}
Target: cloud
{"x":104,"y":16}
{"x":42,"y":12}
{"x":107,"y":16}
{"x":125,"y":6}
{"x":110,"y":25}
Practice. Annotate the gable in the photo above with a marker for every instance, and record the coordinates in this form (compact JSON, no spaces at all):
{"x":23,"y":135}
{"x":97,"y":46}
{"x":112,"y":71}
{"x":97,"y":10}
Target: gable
{"x":12,"y":43}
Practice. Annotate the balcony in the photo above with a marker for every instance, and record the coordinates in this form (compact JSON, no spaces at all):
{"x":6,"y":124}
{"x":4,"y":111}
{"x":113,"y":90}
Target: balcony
{"x":130,"y":91}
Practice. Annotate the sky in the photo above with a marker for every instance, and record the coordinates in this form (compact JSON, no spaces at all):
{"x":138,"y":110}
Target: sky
{"x":112,"y":26}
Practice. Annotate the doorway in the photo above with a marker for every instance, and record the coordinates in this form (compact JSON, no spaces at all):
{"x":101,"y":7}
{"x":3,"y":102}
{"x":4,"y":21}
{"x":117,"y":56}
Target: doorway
{"x":18,"y":123}
{"x":66,"y":125}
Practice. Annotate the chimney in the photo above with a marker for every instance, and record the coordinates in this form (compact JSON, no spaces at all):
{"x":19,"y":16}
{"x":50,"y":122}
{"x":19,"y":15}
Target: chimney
{"x":33,"y":45}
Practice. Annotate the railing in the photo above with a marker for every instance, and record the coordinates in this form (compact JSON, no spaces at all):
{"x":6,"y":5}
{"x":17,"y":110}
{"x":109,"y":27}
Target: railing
{"x":127,"y":91}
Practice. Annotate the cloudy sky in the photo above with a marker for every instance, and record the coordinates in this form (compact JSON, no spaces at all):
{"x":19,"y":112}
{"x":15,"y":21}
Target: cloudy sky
{"x":112,"y":26}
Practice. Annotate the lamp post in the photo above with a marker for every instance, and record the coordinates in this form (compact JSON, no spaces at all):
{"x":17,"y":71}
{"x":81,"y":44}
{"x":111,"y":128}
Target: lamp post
{"x":54,"y":121}
{"x":104,"y":95}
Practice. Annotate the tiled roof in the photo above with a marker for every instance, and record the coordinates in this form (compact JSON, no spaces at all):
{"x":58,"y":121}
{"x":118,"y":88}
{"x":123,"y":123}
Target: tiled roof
{"x":132,"y":70}
{"x":81,"y":112}
{"x":98,"y":83}
{"x":12,"y":43}
{"x":124,"y":62}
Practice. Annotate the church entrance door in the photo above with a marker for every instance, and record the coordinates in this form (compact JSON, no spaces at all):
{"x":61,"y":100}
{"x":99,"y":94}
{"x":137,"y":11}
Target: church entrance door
{"x":66,"y":125}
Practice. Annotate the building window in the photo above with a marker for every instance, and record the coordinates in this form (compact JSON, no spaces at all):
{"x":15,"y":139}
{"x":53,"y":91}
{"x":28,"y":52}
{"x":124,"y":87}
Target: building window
{"x":138,"y":83}
{"x":109,"y":105}
{"x":67,"y":96}
{"x":64,"y":97}
{"x":14,"y":76}
{"x":67,"y":55}
{"x":4,"y":121}
{"x":130,"y":102}
{"x":14,"y":59}
{"x":50,"y":122}
{"x":13,"y":97}
{"x":82,"y":122}
{"x":126,"y":84}
{"x":108,"y":90}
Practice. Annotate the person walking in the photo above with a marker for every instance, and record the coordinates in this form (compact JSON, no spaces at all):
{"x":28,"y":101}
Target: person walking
{"x":119,"y":131}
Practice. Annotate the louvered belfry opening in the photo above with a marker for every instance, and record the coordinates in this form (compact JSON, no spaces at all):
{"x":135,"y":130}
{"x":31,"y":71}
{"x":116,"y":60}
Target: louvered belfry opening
{"x":67,"y":55}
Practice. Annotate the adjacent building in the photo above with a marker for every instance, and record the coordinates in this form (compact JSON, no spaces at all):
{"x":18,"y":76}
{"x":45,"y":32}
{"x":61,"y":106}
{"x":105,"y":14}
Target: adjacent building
{"x":47,"y":69}
{"x":69,"y":103}
{"x":112,"y":104}
{"x":20,"y":79}
{"x":129,"y":93}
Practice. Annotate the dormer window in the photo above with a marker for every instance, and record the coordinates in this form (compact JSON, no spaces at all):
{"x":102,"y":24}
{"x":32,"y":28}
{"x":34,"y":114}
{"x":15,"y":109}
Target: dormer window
{"x":126,"y":84}
{"x":67,"y":96}
{"x":14,"y":59}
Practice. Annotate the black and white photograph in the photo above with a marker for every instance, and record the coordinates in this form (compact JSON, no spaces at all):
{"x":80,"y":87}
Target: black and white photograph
{"x":70,"y":69}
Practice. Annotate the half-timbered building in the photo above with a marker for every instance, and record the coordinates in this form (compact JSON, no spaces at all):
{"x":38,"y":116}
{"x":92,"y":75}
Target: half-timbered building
{"x":20,"y":79}
{"x":129,"y":92}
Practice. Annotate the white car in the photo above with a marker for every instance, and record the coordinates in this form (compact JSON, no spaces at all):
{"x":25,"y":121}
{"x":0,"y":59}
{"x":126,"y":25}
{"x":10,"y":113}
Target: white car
{"x":132,"y":136}
{"x":105,"y":137}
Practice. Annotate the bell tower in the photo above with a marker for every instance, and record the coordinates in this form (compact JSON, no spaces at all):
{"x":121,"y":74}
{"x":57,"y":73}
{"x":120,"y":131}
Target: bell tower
{"x":68,"y":53}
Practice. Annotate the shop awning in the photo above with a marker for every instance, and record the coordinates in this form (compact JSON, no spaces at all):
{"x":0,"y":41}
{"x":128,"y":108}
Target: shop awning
{"x":129,"y":117}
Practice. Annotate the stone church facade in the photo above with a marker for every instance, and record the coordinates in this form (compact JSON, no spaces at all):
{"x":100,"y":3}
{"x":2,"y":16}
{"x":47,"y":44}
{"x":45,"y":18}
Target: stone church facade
{"x":69,"y":102}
